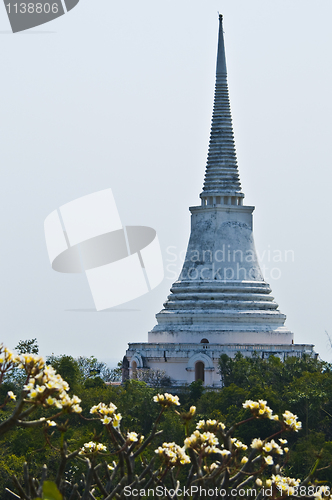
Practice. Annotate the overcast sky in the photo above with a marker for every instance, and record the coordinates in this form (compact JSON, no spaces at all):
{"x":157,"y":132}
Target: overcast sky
{"x":119,"y":95}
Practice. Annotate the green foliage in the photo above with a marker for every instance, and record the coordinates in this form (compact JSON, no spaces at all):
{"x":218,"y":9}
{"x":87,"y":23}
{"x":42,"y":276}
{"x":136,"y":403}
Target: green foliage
{"x":10,"y":464}
{"x":50,"y":491}
{"x":27,"y":347}
{"x":303,"y":386}
{"x":94,"y":382}
{"x":67,"y":367}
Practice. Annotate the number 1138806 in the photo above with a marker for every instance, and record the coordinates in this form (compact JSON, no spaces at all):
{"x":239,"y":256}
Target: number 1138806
{"x":31,"y":8}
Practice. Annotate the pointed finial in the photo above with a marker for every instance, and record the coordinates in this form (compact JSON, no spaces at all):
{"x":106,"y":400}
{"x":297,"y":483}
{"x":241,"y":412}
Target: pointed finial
{"x":222,"y":182}
{"x":221,"y":59}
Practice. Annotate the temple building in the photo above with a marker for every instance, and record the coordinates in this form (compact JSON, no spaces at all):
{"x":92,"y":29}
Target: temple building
{"x":220,"y":302}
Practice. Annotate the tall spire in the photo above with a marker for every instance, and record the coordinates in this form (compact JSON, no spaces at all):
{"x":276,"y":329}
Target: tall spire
{"x":221,"y":176}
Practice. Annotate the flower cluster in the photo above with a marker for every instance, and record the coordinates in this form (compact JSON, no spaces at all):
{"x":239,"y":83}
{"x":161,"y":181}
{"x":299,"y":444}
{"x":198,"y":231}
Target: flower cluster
{"x":204,"y":443}
{"x":210,"y":425}
{"x":46,"y":386}
{"x":92,"y":447}
{"x":107,"y":414}
{"x":238,"y":444}
{"x":166,"y":400}
{"x":210,"y":468}
{"x":290,"y":420}
{"x":31,"y":363}
{"x":172,"y":454}
{"x":7,"y":358}
{"x":269,"y":448}
{"x":260,"y":409}
{"x":286,"y":484}
{"x":272,"y":446}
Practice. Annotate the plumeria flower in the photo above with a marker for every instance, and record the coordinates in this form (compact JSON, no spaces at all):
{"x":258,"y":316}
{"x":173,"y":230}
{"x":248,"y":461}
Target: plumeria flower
{"x":132,"y":437}
{"x":166,"y":400}
{"x":92,"y":447}
{"x":223,"y":452}
{"x":269,"y":460}
{"x":172,"y":454}
{"x":192,"y":410}
{"x":101,"y":447}
{"x":116,"y":420}
{"x":290,"y":420}
{"x":76,"y":409}
{"x":210,"y":468}
{"x":285,"y":484}
{"x":260,"y":409}
{"x":239,"y":444}
{"x":11,"y":395}
{"x":106,"y":420}
{"x":267,"y":447}
{"x":256,"y":444}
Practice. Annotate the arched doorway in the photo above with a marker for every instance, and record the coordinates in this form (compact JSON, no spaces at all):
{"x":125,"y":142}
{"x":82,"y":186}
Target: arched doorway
{"x":199,"y":371}
{"x":133,"y":369}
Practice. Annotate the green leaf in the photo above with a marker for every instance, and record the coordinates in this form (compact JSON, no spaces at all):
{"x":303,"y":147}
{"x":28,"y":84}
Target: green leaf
{"x":50,"y":491}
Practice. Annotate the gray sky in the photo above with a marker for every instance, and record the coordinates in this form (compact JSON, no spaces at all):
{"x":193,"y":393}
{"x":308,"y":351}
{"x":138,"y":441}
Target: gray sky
{"x":119,"y":94}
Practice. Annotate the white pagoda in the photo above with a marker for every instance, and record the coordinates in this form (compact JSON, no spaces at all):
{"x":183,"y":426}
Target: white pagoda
{"x":220,"y":302}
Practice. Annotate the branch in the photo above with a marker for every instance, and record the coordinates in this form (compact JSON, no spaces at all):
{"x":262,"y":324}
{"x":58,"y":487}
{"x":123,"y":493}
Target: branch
{"x":147,"y":441}
{"x":11,"y":493}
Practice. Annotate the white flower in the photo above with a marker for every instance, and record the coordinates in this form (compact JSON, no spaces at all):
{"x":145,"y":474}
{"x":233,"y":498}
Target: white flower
{"x":192,"y":410}
{"x":173,"y":454}
{"x":106,"y":420}
{"x":166,"y":400}
{"x":267,"y":447}
{"x":116,"y":420}
{"x":223,"y":452}
{"x":291,"y":422}
{"x":132,"y":436}
{"x":11,"y":395}
{"x":268,"y":460}
{"x":101,"y":447}
{"x":256,"y":444}
{"x":76,"y":409}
